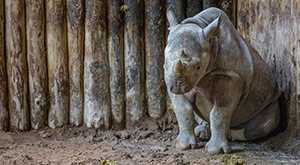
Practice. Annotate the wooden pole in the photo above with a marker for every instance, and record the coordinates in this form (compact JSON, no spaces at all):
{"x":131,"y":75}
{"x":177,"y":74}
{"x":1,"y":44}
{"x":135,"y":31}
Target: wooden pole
{"x":243,"y":17}
{"x":96,"y":72}
{"x":37,"y":68}
{"x":154,"y":42}
{"x":234,"y":13}
{"x":57,"y":62}
{"x":116,"y":60}
{"x":209,"y":3}
{"x":193,"y":7}
{"x":16,"y":64}
{"x":228,"y":6}
{"x":134,"y":61}
{"x":3,"y":83}
{"x":75,"y":17}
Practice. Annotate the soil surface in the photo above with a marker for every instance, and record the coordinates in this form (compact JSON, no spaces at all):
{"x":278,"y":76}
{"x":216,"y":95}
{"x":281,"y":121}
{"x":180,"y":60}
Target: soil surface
{"x":150,"y":143}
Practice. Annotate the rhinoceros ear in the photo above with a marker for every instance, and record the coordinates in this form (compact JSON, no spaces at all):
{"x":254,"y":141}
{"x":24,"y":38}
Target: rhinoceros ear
{"x":171,"y":17}
{"x":213,"y":28}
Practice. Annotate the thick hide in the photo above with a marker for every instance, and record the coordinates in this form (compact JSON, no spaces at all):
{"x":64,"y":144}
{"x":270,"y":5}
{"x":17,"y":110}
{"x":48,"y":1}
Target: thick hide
{"x":211,"y":70}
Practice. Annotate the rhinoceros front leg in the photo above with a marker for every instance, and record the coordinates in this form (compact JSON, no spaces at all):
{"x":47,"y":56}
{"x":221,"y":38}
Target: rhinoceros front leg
{"x":219,"y":126}
{"x":227,"y":93}
{"x":185,"y":117}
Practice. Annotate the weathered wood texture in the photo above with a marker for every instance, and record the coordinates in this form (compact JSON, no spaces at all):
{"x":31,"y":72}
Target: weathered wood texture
{"x":154,"y":48}
{"x":134,"y":61}
{"x":97,"y":111}
{"x":3,"y":83}
{"x":116,"y":61}
{"x":16,"y":64}
{"x":229,"y":7}
{"x":57,"y":62}
{"x":272,"y":27}
{"x":98,"y":63}
{"x":193,"y":7}
{"x":210,"y":3}
{"x":37,"y":68}
{"x":75,"y":24}
{"x":243,"y":19}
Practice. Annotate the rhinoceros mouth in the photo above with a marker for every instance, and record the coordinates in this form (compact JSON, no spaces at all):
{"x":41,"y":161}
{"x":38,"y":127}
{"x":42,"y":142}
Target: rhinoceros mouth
{"x":180,"y":88}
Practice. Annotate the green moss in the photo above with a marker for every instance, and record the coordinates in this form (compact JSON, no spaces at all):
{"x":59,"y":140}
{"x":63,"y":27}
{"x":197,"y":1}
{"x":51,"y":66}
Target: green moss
{"x":231,"y":159}
{"x":107,"y":162}
{"x":225,"y":159}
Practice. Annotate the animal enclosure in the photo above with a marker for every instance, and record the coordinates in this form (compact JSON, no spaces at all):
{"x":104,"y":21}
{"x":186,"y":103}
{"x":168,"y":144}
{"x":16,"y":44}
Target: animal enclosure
{"x":92,"y":63}
{"x":100,"y":63}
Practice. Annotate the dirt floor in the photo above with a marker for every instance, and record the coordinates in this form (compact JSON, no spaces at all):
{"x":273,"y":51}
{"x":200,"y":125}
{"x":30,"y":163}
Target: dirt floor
{"x":150,"y":143}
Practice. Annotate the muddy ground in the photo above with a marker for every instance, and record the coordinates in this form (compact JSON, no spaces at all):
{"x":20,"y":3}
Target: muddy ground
{"x":150,"y":143}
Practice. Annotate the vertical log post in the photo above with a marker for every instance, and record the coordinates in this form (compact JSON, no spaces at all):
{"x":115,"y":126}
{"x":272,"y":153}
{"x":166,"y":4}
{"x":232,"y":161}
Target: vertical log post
{"x":96,"y":72}
{"x":234,"y":13}
{"x":243,"y":25}
{"x":228,"y":6}
{"x":75,"y":17}
{"x":193,"y":7}
{"x":3,"y":84}
{"x":57,"y":62}
{"x":209,"y":3}
{"x":37,"y":69}
{"x":116,"y":60}
{"x":154,"y":42}
{"x":134,"y":61}
{"x":16,"y":64}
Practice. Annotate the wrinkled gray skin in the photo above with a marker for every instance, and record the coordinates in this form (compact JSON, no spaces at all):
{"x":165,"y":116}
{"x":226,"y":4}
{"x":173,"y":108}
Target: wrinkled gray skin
{"x":214,"y":76}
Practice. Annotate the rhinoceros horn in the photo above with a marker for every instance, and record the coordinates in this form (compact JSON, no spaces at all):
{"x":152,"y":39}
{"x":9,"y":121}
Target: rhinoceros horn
{"x":213,"y":28}
{"x":178,"y":68}
{"x":171,"y":17}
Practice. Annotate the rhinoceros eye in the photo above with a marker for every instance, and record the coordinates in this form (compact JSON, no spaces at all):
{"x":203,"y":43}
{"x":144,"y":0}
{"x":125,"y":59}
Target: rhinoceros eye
{"x":198,"y":68}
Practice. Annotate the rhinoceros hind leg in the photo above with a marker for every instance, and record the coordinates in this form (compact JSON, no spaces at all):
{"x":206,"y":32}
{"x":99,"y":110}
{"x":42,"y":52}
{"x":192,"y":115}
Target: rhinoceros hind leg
{"x":260,"y":126}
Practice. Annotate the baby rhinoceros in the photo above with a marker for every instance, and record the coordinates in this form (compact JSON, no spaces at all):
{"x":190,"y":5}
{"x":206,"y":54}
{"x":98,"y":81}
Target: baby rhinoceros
{"x":214,"y":76}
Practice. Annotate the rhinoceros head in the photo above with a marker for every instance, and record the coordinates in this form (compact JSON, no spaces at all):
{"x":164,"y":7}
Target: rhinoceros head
{"x":187,"y":53}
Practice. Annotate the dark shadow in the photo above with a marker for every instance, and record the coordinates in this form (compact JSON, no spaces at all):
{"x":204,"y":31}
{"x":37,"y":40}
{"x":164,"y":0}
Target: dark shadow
{"x":236,"y":150}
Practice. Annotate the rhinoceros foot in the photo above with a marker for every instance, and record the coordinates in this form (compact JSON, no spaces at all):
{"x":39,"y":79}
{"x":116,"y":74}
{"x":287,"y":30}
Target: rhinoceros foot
{"x":185,"y":142}
{"x":216,"y":146}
